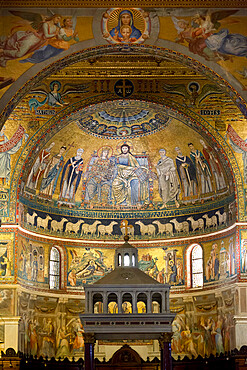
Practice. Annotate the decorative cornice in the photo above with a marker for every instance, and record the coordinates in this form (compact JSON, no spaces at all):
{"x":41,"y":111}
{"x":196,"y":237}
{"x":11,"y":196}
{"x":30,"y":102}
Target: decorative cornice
{"x":123,"y":3}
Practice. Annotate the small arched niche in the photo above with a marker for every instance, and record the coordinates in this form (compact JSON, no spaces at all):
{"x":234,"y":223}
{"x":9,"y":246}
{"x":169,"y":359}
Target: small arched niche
{"x":97,"y":303}
{"x":126,"y":259}
{"x":141,"y":303}
{"x":156,"y":303}
{"x":112,"y":303}
{"x":127,"y":303}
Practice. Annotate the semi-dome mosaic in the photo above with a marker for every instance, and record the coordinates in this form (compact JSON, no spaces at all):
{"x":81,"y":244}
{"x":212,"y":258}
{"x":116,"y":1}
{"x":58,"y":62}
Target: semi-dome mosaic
{"x":123,"y":118}
{"x":159,"y":175}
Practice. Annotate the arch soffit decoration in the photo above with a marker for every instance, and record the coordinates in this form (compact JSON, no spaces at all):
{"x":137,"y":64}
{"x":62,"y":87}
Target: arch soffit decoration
{"x":80,"y":52}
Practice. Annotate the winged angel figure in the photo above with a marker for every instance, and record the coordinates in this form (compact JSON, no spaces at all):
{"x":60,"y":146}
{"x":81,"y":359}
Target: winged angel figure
{"x":54,"y":98}
{"x":192,"y":94}
{"x":42,"y":35}
{"x":203,"y":39}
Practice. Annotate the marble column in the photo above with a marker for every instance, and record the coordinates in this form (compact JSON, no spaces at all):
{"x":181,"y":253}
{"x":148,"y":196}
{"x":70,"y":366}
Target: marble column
{"x":165,"y":351}
{"x":89,"y":341}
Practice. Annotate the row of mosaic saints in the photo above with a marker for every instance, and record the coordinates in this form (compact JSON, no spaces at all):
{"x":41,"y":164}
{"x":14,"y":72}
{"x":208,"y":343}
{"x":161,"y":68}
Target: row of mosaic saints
{"x":126,"y":179}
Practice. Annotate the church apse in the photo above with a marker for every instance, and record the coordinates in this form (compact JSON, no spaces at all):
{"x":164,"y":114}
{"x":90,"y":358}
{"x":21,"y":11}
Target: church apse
{"x":164,"y":184}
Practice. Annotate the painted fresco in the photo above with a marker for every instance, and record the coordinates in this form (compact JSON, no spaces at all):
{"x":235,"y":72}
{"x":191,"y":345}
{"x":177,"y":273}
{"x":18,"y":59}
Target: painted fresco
{"x":216,"y":35}
{"x":199,"y":33}
{"x":51,"y":334}
{"x":203,"y":329}
{"x":125,"y":25}
{"x":203,"y":325}
{"x":30,"y":37}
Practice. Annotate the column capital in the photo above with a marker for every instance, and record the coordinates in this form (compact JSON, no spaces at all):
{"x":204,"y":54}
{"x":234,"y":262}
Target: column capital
{"x":89,"y":338}
{"x":165,"y":338}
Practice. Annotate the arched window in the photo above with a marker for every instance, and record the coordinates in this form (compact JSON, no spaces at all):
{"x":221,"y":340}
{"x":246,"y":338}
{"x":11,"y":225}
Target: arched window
{"x":54,"y":270}
{"x":133,"y":260}
{"x":112,"y":301}
{"x":194,"y":262}
{"x":97,"y":303}
{"x":126,"y":259}
{"x":119,"y":259}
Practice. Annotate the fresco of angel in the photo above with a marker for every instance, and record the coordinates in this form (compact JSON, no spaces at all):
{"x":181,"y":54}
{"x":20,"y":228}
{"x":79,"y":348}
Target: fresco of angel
{"x":54,"y":98}
{"x":56,"y":44}
{"x":204,"y":41}
{"x":20,"y":43}
{"x":192,"y":94}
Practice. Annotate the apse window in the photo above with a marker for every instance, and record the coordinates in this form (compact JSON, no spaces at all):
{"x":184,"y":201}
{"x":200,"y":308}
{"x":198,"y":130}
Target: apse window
{"x":196,"y":266}
{"x":54,"y":272}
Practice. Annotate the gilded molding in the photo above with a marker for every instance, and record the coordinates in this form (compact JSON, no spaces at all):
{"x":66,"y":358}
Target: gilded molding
{"x":124,"y":3}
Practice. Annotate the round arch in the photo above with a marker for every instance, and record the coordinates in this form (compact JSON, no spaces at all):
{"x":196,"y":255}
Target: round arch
{"x":83,"y":51}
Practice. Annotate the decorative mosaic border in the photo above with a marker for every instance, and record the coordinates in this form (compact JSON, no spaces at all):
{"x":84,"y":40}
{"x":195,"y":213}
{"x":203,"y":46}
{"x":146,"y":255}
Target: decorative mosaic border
{"x":126,"y":214}
{"x":126,"y":3}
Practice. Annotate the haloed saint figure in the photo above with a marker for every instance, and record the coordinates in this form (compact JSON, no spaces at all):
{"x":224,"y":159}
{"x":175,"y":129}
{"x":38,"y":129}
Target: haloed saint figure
{"x":126,"y":26}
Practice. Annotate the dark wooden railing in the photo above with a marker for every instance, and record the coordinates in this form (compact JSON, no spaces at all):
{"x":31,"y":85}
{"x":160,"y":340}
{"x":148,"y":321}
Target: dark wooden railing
{"x":234,"y":360}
